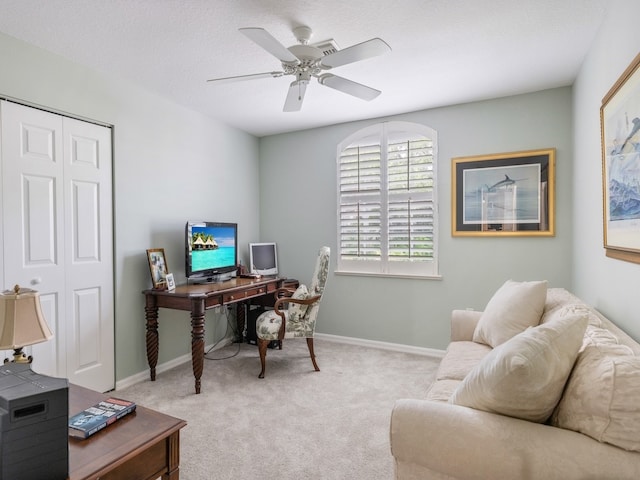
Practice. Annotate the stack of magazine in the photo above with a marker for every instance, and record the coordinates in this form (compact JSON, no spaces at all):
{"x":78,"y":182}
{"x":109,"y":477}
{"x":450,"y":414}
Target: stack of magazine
{"x":95,"y":418}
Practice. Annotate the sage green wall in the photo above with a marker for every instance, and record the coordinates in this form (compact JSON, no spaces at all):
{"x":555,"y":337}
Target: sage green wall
{"x":170,"y":165}
{"x":608,"y":284}
{"x":298,"y":210}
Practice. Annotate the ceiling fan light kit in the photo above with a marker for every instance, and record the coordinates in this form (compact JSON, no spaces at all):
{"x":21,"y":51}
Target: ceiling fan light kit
{"x":305,"y":61}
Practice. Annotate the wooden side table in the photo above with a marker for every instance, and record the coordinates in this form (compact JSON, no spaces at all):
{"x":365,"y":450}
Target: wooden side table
{"x":144,"y":444}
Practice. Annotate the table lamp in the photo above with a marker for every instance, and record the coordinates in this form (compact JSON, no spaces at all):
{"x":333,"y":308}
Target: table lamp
{"x":21,"y":322}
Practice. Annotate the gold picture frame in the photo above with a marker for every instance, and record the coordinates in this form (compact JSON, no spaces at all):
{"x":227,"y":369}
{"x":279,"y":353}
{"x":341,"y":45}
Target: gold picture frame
{"x":157,"y":267}
{"x":505,"y":194}
{"x":620,"y":140}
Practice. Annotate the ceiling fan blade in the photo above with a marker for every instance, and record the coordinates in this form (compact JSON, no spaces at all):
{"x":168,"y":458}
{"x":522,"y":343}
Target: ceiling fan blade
{"x":240,"y":78}
{"x":355,"y":53}
{"x":270,"y":44}
{"x":295,"y":96}
{"x":348,"y":86}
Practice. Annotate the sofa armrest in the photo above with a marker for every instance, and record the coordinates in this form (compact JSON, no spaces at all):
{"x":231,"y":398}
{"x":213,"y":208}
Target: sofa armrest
{"x":452,"y":441}
{"x":463,"y":324}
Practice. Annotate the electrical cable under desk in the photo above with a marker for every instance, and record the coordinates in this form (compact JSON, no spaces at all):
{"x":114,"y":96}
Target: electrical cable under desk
{"x":226,"y":315}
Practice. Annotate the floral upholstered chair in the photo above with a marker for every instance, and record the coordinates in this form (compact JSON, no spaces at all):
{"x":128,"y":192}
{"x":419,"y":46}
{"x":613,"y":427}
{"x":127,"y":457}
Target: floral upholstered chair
{"x":298,"y":320}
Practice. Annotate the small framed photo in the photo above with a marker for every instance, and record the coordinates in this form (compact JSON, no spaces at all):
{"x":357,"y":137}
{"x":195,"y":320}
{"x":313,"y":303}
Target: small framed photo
{"x":505,"y":194}
{"x":171,"y":283}
{"x":157,"y":267}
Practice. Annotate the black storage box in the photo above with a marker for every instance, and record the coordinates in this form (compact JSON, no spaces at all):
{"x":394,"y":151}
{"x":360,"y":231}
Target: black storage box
{"x":34,"y":413}
{"x":252,"y":316}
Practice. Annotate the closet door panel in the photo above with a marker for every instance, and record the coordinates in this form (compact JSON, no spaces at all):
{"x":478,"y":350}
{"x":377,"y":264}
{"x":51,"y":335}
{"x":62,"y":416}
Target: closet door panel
{"x":33,"y":218}
{"x":38,"y":215}
{"x":87,"y":330}
{"x":89,"y":273}
{"x":45,"y":355}
{"x":58,"y":223}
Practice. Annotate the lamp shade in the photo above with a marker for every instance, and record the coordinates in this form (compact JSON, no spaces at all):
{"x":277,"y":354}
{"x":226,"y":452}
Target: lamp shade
{"x":21,"y":319}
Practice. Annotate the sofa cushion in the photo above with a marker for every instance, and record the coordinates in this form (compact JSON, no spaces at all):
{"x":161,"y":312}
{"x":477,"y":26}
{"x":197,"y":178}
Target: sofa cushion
{"x":558,"y":299}
{"x":569,"y":308}
{"x":524,"y":377}
{"x":441,"y":390}
{"x":601,"y":397}
{"x":599,"y":336}
{"x":460,"y":358}
{"x":513,"y":308}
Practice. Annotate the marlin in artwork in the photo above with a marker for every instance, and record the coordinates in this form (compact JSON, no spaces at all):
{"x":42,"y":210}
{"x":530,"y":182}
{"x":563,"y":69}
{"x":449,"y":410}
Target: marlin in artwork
{"x":502,"y":183}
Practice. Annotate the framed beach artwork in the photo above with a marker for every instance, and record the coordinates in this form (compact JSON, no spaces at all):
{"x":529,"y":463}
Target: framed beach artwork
{"x":620,"y":129}
{"x":157,"y":267}
{"x":506,"y":194}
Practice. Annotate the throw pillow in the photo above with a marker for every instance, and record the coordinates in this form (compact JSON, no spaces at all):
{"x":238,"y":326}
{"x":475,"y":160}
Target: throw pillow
{"x":513,"y":308}
{"x":524,"y":377}
{"x":601,"y":397}
{"x":297,"y":311}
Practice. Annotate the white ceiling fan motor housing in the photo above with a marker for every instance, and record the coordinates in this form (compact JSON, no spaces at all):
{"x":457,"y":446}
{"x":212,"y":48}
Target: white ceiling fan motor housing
{"x":309,"y":57}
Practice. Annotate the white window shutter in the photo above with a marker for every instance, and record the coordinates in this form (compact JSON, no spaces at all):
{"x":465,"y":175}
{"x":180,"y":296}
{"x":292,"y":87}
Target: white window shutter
{"x":387,"y":221}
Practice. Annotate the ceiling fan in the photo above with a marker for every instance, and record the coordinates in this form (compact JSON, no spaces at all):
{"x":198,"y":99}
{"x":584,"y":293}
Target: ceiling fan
{"x":305,"y":61}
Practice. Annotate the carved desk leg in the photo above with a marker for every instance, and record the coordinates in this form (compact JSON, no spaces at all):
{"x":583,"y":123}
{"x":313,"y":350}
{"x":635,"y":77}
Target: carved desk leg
{"x":151,"y":314}
{"x":197,"y":339}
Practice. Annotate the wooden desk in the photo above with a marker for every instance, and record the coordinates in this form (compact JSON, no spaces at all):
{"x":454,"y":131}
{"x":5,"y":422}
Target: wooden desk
{"x":142,"y":445}
{"x":197,"y":299}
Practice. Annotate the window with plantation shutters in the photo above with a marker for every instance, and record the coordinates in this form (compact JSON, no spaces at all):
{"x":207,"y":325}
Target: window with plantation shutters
{"x":387,"y":212}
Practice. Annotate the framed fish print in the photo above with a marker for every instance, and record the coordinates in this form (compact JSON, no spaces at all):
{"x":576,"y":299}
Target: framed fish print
{"x":506,"y":194}
{"x":620,"y":130}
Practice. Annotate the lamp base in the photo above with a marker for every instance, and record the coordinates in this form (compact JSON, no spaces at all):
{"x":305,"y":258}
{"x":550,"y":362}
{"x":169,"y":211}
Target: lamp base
{"x":19,"y":357}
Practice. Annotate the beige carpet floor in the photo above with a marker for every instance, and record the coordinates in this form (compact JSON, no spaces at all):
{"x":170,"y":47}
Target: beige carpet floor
{"x":295,"y":423}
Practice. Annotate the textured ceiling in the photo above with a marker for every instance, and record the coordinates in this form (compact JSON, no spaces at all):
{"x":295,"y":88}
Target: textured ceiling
{"x":444,"y":52}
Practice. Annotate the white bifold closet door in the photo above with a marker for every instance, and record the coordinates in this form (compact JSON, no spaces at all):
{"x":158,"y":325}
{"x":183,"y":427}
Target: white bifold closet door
{"x":57,"y":237}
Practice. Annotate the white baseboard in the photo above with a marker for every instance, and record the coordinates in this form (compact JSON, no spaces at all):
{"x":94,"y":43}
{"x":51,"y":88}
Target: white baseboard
{"x":142,"y":376}
{"x":396,"y":347}
{"x":163,"y":367}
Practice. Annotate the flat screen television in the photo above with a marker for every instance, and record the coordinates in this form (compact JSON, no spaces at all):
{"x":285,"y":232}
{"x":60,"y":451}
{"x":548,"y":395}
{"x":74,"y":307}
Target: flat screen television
{"x":263,"y":258}
{"x":211,"y":251}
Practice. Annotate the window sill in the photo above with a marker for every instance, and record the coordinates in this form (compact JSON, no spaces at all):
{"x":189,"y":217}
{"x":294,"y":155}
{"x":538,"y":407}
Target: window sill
{"x":388,"y":275}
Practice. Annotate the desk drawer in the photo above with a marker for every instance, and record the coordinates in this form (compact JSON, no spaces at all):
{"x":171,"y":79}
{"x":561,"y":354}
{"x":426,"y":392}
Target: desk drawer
{"x":240,"y":295}
{"x":151,"y":463}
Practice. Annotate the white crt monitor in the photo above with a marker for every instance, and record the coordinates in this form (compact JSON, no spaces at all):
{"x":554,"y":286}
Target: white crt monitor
{"x":263,"y":258}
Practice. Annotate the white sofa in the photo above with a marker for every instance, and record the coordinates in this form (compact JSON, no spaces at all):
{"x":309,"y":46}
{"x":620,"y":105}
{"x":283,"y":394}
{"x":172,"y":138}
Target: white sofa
{"x":592,"y":433}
